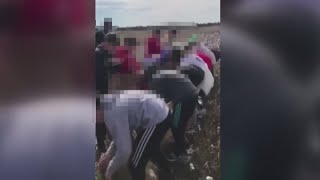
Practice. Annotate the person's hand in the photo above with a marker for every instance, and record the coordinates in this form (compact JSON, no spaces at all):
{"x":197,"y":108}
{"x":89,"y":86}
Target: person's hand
{"x":108,"y":178}
{"x":104,"y":162}
{"x":170,"y":106}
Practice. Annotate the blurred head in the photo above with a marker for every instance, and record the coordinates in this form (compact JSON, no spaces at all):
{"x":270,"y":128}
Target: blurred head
{"x":172,"y":35}
{"x":111,"y":41}
{"x":99,"y":37}
{"x":131,"y":44}
{"x":156,"y":33}
{"x":174,"y":57}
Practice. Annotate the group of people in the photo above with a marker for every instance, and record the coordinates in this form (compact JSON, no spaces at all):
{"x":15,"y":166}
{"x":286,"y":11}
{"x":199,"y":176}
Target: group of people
{"x":150,"y":97}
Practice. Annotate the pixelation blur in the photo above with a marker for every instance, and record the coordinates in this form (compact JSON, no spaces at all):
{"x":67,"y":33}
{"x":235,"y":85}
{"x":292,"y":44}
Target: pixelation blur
{"x":157,"y":97}
{"x":46,"y":97}
{"x":155,"y":66}
{"x":270,"y":89}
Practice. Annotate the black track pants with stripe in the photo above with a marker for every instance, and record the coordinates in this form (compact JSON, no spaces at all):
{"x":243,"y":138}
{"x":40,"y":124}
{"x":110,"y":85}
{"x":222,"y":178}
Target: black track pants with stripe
{"x":147,"y":147}
{"x":182,"y":112}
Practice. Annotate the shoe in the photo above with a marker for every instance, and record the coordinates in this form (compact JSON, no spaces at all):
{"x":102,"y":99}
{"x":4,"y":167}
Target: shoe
{"x":171,"y":157}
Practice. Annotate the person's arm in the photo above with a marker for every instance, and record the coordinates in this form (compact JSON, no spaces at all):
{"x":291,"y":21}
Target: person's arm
{"x":204,"y":49}
{"x":106,"y":157}
{"x":121,"y":135}
{"x":195,"y":74}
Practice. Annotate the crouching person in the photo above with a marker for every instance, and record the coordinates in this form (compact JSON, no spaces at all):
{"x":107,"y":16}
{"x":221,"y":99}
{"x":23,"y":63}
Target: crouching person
{"x":129,"y":111}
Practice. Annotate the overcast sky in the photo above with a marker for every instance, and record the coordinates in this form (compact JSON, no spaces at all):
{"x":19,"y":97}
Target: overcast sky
{"x":153,"y":12}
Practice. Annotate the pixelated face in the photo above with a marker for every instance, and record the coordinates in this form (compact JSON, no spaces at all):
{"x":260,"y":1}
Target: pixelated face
{"x":131,"y":43}
{"x":156,"y":33}
{"x":172,"y":34}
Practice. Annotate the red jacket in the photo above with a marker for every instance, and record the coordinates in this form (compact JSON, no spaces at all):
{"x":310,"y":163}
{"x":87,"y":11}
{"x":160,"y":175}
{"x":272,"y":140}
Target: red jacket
{"x":128,"y":60}
{"x":153,"y":46}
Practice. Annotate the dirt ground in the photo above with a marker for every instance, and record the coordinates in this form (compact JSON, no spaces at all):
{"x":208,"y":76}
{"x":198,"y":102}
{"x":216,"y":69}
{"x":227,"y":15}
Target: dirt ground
{"x":206,"y":143}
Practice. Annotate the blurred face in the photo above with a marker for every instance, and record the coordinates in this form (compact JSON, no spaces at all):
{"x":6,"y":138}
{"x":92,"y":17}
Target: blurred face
{"x":156,"y":33}
{"x":172,"y":35}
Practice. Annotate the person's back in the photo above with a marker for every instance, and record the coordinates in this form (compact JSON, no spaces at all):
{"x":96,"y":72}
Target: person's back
{"x":139,"y":111}
{"x":133,"y":104}
{"x":208,"y":80}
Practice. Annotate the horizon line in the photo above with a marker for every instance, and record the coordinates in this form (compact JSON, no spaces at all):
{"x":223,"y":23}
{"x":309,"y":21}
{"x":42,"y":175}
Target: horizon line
{"x":218,"y":22}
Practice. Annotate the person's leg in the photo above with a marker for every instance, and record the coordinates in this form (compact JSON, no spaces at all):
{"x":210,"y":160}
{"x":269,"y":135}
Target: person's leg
{"x":182,"y":113}
{"x":101,"y":136}
{"x":100,"y":130}
{"x":147,"y":145}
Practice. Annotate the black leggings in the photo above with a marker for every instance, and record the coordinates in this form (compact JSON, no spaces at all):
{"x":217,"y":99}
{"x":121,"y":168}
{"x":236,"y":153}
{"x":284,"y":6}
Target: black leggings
{"x":183,"y":111}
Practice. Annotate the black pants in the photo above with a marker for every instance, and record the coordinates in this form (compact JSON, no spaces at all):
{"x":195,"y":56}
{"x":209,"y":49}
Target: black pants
{"x":147,"y":147}
{"x":182,"y":112}
{"x":101,"y":132}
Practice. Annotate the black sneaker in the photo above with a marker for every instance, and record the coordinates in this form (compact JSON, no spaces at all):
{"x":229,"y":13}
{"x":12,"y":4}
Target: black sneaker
{"x":171,"y":157}
{"x":184,"y":158}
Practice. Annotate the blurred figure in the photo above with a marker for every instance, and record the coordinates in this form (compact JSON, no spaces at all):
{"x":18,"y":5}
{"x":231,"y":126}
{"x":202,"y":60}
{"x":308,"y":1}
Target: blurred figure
{"x":153,"y":44}
{"x":99,"y":37}
{"x":266,"y":130}
{"x":167,"y":45}
{"x":192,"y":58}
{"x":207,"y":55}
{"x":47,"y":108}
{"x":178,"y":86}
{"x":105,"y":52}
{"x":137,"y":111}
{"x":126,"y":77}
{"x":172,"y":35}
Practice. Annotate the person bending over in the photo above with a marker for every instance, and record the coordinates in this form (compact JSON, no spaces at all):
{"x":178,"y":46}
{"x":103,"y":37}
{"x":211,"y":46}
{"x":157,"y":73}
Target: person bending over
{"x":139,"y":111}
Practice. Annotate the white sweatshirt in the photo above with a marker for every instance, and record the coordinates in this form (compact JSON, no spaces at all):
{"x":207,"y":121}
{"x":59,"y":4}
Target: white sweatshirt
{"x":128,"y":111}
{"x":208,"y":80}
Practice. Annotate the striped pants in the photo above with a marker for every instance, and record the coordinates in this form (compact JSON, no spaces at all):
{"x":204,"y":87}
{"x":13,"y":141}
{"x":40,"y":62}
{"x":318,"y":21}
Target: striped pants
{"x":147,"y":147}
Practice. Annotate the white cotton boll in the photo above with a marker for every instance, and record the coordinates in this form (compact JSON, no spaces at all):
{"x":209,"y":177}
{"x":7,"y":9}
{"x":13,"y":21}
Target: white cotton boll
{"x":191,"y":166}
